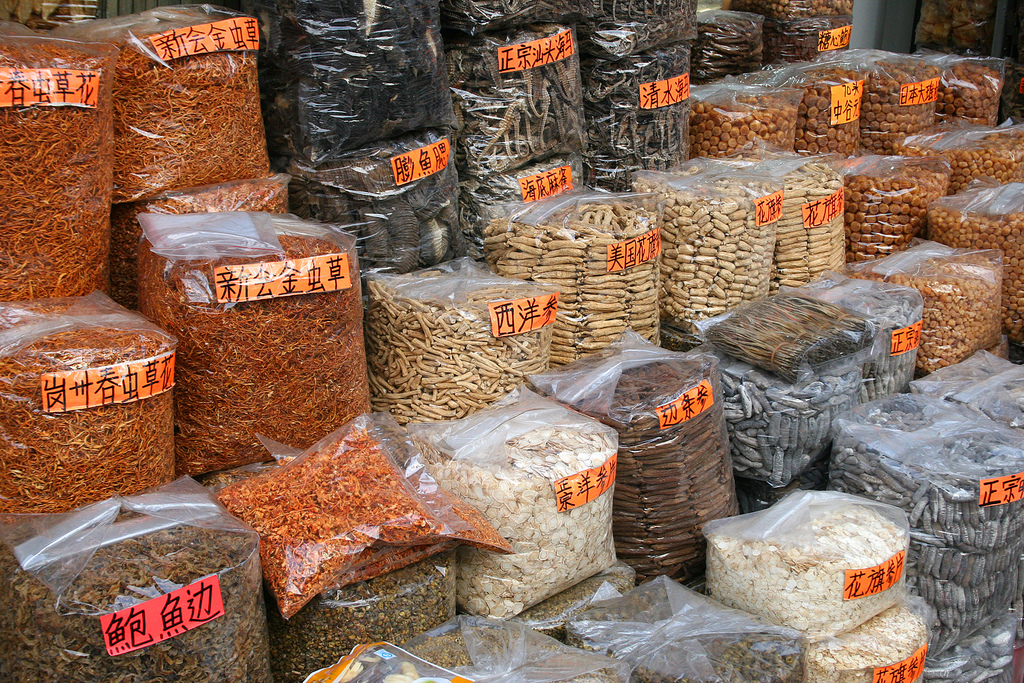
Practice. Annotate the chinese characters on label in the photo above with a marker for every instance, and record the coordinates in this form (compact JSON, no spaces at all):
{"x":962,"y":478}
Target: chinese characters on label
{"x":581,"y":488}
{"x":536,"y":52}
{"x":120,"y":383}
{"x":257,"y":281}
{"x":907,"y":671}
{"x":834,"y":39}
{"x":922,"y":92}
{"x":846,"y":99}
{"x":1001,"y":490}
{"x":768,"y":209}
{"x":522,"y":315}
{"x":689,"y":405}
{"x":861,"y":583}
{"x":823,"y":210}
{"x":546,"y":184}
{"x":1021,"y":88}
{"x":162,"y":618}
{"x":906,"y":339}
{"x":633,"y":252}
{"x":664,"y":93}
{"x":421,"y":162}
{"x":49,"y":88}
{"x":228,"y":35}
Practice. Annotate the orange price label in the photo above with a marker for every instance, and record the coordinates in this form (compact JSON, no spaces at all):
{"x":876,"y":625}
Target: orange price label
{"x":664,"y":93}
{"x":905,"y":339}
{"x":546,"y":184}
{"x":274,"y":279}
{"x":768,"y":209}
{"x":633,"y":252}
{"x":834,"y":39}
{"x":921,"y":92}
{"x":907,"y":671}
{"x":421,"y":162}
{"x":823,"y":210}
{"x":846,"y":99}
{"x":522,"y":315}
{"x":1001,"y":490}
{"x":1021,"y":88}
{"x":581,"y":488}
{"x":49,"y":88}
{"x":162,"y":618}
{"x":689,"y":405}
{"x":862,"y":583}
{"x":227,"y":35}
{"x":119,"y":383}
{"x":536,"y":52}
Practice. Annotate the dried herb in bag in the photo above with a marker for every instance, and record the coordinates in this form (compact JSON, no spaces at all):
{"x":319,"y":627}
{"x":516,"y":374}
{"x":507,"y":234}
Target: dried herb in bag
{"x":164,"y":585}
{"x":728,"y":44}
{"x":56,"y":150}
{"x":85,"y":403}
{"x":727,"y":115}
{"x":186,"y":98}
{"x":804,"y":38}
{"x":611,"y":29}
{"x":268,"y":315}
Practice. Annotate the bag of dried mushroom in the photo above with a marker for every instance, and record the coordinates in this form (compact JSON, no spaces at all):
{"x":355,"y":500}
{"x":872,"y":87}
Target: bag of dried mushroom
{"x":444,"y":343}
{"x":543,"y":476}
{"x":728,"y":44}
{"x":602,"y":249}
{"x":817,"y":561}
{"x":164,"y":583}
{"x":984,"y":383}
{"x":986,"y":656}
{"x":969,"y":87}
{"x":974,"y":152}
{"x":669,"y":634}
{"x":674,"y":472}
{"x":727,"y":115}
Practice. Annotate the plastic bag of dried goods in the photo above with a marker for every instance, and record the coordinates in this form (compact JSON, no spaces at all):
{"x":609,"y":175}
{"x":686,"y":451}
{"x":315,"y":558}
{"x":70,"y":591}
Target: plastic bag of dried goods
{"x":727,"y":115}
{"x":543,"y":476}
{"x":268,"y":314}
{"x":1011,"y":100}
{"x":754,"y":495}
{"x":163,"y":581}
{"x":969,"y":87}
{"x":804,"y":38}
{"x":987,"y":655}
{"x":728,"y":43}
{"x":85,"y":403}
{"x":957,"y":26}
{"x":674,"y":471}
{"x":948,"y":381}
{"x":984,"y":383}
{"x":974,"y":152}
{"x":613,"y":29}
{"x":479,"y":16}
{"x":785,"y":9}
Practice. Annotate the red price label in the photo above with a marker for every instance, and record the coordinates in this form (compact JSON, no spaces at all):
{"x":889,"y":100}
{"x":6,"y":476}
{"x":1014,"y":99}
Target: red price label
{"x":228,"y":35}
{"x":581,"y":488}
{"x":768,"y":209}
{"x":421,"y":162}
{"x":1021,"y":88}
{"x":546,"y":184}
{"x":834,"y":39}
{"x":641,"y":249}
{"x":162,"y":618}
{"x":905,"y":339}
{"x":664,"y":93}
{"x":1001,"y":490}
{"x":823,"y":210}
{"x":689,"y":405}
{"x":536,"y":52}
{"x":907,"y":671}
{"x":120,"y":383}
{"x":845,"y":103}
{"x":862,"y":583}
{"x":272,"y":280}
{"x":522,"y":315}
{"x":922,"y":92}
{"x":48,"y":88}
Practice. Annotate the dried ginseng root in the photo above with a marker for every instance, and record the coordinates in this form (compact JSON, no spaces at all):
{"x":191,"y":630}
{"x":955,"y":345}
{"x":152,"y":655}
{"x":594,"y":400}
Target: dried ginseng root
{"x":56,"y":150}
{"x":186,"y":98}
{"x":85,"y":403}
{"x":268,"y":313}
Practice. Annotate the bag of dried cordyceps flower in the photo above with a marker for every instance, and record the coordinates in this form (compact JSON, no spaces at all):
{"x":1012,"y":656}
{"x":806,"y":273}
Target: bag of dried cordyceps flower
{"x":85,"y":403}
{"x":164,"y":585}
{"x":268,"y":316}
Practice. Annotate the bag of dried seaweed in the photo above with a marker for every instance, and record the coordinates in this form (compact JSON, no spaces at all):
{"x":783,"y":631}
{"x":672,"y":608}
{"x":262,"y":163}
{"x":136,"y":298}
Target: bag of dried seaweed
{"x":969,"y":87}
{"x":612,"y":29}
{"x":164,"y":583}
{"x":984,"y":383}
{"x":85,"y":403}
{"x":728,"y":44}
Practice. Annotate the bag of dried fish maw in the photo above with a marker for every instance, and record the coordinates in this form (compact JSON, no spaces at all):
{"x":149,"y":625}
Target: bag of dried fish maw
{"x":543,"y":476}
{"x":969,"y":87}
{"x":974,"y":152}
{"x":446,"y":342}
{"x":727,"y":115}
{"x":268,"y":316}
{"x":817,"y":561}
{"x":85,"y":403}
{"x":157,"y":586}
{"x":186,"y":98}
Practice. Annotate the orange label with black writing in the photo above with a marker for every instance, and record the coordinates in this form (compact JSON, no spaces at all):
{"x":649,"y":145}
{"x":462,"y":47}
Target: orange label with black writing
{"x":862,"y":583}
{"x":834,"y":39}
{"x":274,"y":279}
{"x":641,"y":249}
{"x":118,"y":383}
{"x":536,"y":52}
{"x":421,"y":162}
{"x":768,"y":209}
{"x":49,"y":88}
{"x":1021,"y":88}
{"x":546,"y":184}
{"x":921,"y":92}
{"x":1001,"y":490}
{"x":227,"y":35}
{"x":905,"y":339}
{"x":907,"y":671}
{"x":581,"y":488}
{"x":689,"y":405}
{"x":664,"y":93}
{"x":823,"y":210}
{"x":522,"y":315}
{"x":845,"y":106}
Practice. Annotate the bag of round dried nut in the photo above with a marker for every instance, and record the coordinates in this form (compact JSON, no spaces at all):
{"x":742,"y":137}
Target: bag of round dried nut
{"x":727,"y":114}
{"x":974,"y":152}
{"x":969,"y":87}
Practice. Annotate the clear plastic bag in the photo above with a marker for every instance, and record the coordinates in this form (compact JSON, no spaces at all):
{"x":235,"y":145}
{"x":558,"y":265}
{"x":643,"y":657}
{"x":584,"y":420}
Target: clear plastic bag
{"x":480,"y":16}
{"x":611,"y":29}
{"x":1011,"y":100}
{"x":817,"y":561}
{"x":969,"y":87}
{"x":789,"y":9}
{"x":984,"y":383}
{"x":957,"y":25}
{"x":51,"y":14}
{"x":985,"y":656}
{"x":802,"y":39}
{"x":754,"y":495}
{"x":974,"y":152}
{"x":168,"y":571}
{"x":727,"y":115}
{"x":728,"y":44}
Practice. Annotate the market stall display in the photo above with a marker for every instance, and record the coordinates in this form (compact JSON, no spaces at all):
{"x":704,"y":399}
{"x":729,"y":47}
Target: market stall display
{"x":801,"y":39}
{"x":727,"y":115}
{"x":728,"y":44}
{"x":612,"y":29}
{"x":974,"y":152}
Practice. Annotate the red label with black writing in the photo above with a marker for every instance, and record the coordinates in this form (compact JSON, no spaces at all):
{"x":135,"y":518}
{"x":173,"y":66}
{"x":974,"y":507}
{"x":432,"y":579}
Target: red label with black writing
{"x":581,"y":488}
{"x":163,"y":618}
{"x":119,"y":383}
{"x":664,"y":93}
{"x":921,"y":92}
{"x":823,"y":210}
{"x":768,"y":209}
{"x":49,"y":88}
{"x":1001,"y":490}
{"x":834,"y":39}
{"x":689,"y":405}
{"x":546,"y":184}
{"x":905,"y":339}
{"x":641,"y":249}
{"x":907,"y":671}
{"x":227,"y":35}
{"x":421,"y":162}
{"x":845,"y":103}
{"x":1021,"y":88}
{"x":522,"y":315}
{"x":861,"y":583}
{"x":536,"y":52}
{"x":274,"y":279}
